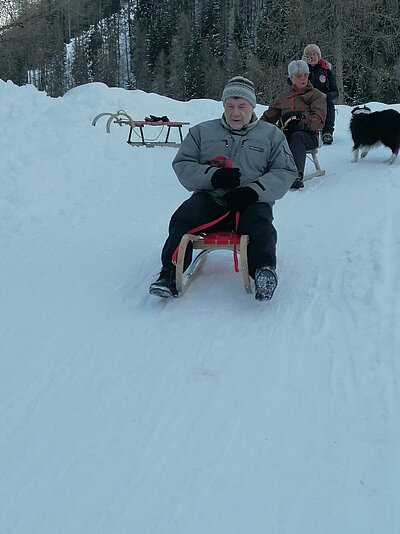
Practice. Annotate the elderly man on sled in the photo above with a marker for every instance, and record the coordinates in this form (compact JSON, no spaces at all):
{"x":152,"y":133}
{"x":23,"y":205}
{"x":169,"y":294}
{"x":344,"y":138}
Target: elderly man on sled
{"x":236,"y":168}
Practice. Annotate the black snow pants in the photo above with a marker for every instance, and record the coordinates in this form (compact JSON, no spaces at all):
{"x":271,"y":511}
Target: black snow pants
{"x":299,"y":142}
{"x":201,"y":208}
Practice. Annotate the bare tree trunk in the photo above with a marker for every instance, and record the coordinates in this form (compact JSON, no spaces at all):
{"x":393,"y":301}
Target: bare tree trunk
{"x":337,"y":47}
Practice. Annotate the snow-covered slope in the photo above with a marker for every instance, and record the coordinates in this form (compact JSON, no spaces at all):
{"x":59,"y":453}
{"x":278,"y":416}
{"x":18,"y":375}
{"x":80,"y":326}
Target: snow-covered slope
{"x":210,"y":414}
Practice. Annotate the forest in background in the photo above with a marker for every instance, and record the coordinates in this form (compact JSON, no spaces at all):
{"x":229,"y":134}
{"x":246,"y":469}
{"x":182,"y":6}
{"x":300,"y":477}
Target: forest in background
{"x":188,"y":49}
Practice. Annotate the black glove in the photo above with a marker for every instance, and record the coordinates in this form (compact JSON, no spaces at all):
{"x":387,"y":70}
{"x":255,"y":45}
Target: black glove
{"x":238,"y":199}
{"x":294,"y":122}
{"x":292,"y":116}
{"x":153,"y":118}
{"x":226,"y":178}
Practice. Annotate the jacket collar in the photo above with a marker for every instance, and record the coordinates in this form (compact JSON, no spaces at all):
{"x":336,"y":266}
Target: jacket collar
{"x":307,"y":88}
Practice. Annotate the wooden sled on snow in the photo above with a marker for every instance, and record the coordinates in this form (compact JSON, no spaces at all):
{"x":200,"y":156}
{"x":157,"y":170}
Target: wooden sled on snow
{"x":312,"y":155}
{"x":121,"y":117}
{"x":206,"y":243}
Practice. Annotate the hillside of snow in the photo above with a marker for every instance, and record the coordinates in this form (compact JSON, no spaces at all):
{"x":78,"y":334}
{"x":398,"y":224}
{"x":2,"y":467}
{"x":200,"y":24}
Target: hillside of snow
{"x":121,"y":413}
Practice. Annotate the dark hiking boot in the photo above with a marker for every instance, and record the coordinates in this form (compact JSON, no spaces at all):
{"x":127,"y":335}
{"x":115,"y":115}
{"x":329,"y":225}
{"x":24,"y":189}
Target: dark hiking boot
{"x":298,"y":183}
{"x":327,"y":138}
{"x":164,"y":286}
{"x":266,"y":281}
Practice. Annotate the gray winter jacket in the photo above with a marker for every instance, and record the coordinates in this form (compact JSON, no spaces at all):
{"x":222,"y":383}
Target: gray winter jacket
{"x":259,"y":150}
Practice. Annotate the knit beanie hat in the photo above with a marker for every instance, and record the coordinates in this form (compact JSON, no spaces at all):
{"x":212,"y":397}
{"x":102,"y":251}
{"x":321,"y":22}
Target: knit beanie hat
{"x":240,"y":87}
{"x":298,"y":66}
{"x":309,"y":49}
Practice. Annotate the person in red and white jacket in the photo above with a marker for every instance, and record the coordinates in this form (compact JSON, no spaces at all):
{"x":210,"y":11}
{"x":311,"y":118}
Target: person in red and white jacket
{"x":322,"y":78}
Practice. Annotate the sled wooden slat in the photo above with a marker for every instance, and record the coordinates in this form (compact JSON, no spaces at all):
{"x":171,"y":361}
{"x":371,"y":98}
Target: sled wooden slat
{"x":152,"y":144}
{"x":148,"y":143}
{"x":312,"y":155}
{"x":206,"y":243}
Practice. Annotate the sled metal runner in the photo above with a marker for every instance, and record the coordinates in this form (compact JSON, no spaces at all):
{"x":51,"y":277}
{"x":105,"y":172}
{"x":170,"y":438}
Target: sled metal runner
{"x":206,"y":243}
{"x":312,"y":155}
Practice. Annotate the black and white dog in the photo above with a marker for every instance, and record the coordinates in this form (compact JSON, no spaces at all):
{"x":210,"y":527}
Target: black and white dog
{"x":369,"y":129}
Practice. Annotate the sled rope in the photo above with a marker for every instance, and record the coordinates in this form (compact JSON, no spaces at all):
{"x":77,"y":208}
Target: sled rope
{"x":205,"y":226}
{"x":220,"y":162}
{"x":235,"y":256}
{"x":199,"y":229}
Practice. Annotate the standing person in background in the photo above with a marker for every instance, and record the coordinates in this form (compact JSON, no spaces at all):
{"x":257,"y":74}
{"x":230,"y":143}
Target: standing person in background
{"x":322,"y":78}
{"x":300,"y":112}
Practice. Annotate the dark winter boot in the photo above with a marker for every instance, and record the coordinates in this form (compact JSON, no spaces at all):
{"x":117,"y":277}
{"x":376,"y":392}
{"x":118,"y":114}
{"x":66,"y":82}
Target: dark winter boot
{"x":298,"y":183}
{"x":327,"y":138}
{"x":266,"y":281}
{"x":164,"y":286}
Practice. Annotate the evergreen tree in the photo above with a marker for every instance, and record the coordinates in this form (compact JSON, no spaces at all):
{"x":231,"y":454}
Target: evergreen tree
{"x":80,"y":62}
{"x":179,"y":59}
{"x":195,"y":82}
{"x":189,"y":48}
{"x":141,"y":74}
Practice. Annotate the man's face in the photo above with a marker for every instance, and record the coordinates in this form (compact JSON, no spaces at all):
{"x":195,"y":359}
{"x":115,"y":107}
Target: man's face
{"x":238,"y":112}
{"x":300,"y":80}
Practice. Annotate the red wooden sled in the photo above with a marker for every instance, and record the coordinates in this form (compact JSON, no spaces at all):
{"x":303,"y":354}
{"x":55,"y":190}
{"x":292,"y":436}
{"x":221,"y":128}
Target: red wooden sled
{"x":206,"y":243}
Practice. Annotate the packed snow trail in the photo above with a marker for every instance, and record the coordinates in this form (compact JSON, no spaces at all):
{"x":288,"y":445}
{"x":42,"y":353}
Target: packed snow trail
{"x":211,"y":413}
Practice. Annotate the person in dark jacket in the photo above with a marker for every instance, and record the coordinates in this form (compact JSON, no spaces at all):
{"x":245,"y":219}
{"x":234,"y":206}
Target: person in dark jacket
{"x":259,"y":170}
{"x":322,"y":78}
{"x":300,"y":111}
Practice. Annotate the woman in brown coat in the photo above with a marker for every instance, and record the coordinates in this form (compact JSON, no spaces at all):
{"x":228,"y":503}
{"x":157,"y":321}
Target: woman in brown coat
{"x":300,"y":112}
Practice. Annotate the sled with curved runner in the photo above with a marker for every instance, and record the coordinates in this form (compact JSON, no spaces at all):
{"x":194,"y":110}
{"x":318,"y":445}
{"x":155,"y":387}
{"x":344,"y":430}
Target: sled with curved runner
{"x":206,"y":243}
{"x":312,"y":155}
{"x":121,"y":117}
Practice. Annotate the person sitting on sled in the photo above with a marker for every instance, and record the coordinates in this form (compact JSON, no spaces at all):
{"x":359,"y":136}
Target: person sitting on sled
{"x":259,"y":169}
{"x":300,"y":111}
